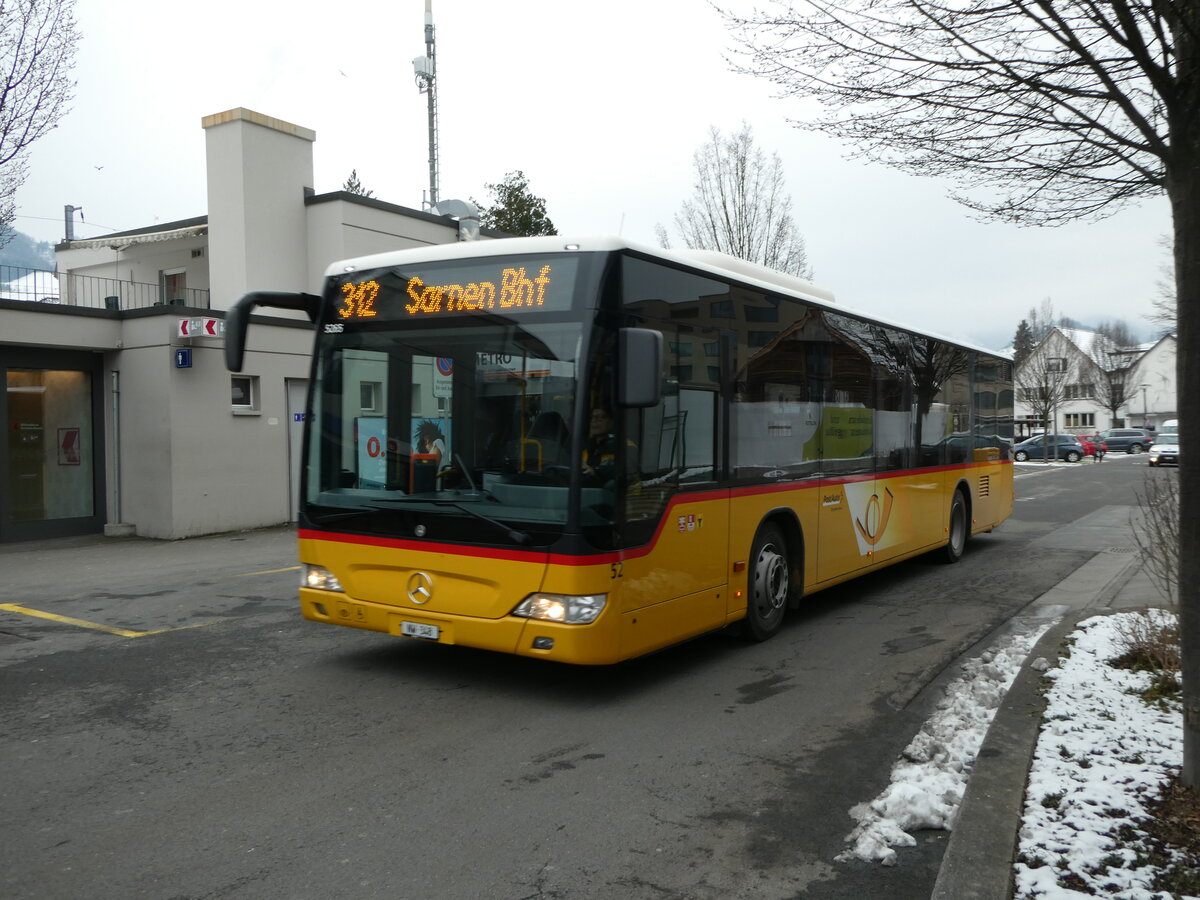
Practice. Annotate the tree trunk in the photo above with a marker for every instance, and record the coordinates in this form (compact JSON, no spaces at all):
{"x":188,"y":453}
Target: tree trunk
{"x":1183,"y":188}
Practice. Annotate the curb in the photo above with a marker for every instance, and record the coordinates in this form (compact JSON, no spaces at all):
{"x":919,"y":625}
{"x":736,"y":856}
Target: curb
{"x":978,"y":862}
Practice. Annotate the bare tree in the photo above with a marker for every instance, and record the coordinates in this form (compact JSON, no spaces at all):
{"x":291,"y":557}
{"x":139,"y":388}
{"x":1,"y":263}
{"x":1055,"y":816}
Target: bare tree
{"x":1042,"y":379}
{"x":37,"y":52}
{"x":1042,"y":319}
{"x":741,"y":206}
{"x":1118,"y":331}
{"x":1165,"y":315}
{"x":1040,"y":112}
{"x":1115,"y":390}
{"x":1157,"y":534}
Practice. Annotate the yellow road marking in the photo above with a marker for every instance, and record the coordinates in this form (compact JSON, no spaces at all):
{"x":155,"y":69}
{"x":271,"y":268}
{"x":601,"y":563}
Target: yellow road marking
{"x":267,"y":572}
{"x":95,"y":626}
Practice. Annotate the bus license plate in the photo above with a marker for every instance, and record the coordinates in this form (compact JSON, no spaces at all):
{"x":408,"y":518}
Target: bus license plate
{"x":419,"y":630}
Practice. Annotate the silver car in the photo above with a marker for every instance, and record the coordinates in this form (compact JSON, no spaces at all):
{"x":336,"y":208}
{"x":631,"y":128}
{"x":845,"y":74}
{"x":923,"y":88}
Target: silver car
{"x":1165,"y":450}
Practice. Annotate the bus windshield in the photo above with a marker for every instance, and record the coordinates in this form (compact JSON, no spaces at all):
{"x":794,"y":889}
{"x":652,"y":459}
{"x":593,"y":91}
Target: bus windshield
{"x":446,"y":423}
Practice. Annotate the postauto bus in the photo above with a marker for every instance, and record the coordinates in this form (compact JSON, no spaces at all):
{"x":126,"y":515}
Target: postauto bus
{"x":762,"y":443}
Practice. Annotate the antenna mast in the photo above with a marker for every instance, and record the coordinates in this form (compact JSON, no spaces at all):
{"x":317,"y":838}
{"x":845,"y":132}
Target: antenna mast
{"x":426,"y":69}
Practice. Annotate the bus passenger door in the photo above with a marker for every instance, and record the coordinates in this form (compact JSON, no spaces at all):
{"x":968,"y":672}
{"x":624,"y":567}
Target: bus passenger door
{"x":850,"y":508}
{"x":672,"y":582}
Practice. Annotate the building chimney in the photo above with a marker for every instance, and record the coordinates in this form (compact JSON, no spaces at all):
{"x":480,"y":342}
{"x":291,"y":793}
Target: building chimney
{"x":259,"y":170}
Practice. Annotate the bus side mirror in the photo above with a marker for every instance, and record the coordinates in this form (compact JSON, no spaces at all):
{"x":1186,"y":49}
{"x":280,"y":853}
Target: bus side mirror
{"x":237,"y":318}
{"x":639,"y":382}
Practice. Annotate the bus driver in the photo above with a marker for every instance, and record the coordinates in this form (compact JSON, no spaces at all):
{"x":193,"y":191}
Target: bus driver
{"x":600,"y":451}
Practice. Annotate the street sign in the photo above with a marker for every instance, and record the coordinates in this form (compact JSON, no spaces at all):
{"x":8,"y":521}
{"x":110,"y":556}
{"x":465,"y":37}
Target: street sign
{"x":443,"y":377}
{"x":201,"y":326}
{"x":183,"y":358}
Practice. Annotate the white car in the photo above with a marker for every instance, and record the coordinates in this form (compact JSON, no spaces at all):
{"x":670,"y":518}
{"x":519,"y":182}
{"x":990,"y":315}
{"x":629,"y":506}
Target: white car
{"x":1165,"y":450}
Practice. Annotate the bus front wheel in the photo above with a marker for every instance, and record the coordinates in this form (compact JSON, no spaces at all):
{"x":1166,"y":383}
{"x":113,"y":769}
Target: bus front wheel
{"x":957,"y":529}
{"x":767,"y":585}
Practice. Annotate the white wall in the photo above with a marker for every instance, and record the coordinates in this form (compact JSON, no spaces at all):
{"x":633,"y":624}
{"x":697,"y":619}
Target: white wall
{"x":258,"y":170}
{"x":190,"y":464}
{"x":343,"y":229}
{"x":1156,"y":371}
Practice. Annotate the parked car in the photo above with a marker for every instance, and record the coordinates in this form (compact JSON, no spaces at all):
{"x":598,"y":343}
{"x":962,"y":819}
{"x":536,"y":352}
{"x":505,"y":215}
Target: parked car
{"x":1062,"y":446}
{"x":1128,"y":440}
{"x":1090,"y":441}
{"x":1165,"y":451}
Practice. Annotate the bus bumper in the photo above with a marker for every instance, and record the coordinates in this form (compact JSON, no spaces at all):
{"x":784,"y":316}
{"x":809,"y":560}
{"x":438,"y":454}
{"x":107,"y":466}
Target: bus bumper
{"x":577,"y":644}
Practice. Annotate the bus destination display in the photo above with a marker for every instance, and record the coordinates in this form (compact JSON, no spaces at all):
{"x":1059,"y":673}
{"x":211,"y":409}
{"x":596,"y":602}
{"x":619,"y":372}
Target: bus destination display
{"x":459,"y":290}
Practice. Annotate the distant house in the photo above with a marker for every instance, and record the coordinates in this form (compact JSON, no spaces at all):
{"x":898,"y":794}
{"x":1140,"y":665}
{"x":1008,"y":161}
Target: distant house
{"x":30,"y":286}
{"x":121,"y":417}
{"x":1080,"y":382}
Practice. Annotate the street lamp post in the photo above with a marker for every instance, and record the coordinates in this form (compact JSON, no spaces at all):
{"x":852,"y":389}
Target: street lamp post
{"x":1145,"y":409}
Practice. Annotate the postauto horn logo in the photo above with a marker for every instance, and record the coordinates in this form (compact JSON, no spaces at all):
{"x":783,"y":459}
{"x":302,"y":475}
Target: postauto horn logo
{"x":871,"y":514}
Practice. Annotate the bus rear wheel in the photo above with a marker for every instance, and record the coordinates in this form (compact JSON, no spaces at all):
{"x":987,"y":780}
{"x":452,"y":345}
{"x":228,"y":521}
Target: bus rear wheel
{"x":957,"y":529}
{"x":767,"y":585}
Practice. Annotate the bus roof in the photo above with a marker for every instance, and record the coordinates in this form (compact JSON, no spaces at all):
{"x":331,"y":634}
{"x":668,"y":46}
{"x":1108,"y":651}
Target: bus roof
{"x":709,"y":261}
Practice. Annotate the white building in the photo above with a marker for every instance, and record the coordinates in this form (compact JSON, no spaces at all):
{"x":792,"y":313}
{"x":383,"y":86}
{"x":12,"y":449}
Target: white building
{"x":1088,"y":375}
{"x":120,"y":415}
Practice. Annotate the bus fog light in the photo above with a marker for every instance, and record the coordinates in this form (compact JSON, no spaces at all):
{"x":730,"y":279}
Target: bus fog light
{"x":320,"y":578}
{"x":570,"y":610}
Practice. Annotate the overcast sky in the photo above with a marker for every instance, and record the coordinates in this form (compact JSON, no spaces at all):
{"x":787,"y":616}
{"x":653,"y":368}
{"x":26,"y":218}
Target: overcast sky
{"x":602,"y":107}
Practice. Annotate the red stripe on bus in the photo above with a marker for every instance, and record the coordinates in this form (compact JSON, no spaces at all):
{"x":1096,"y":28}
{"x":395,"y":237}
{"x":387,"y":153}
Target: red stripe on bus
{"x":607,"y":556}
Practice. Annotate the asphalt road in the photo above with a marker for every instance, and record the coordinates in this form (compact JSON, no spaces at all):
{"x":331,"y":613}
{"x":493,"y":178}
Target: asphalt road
{"x":210,"y":743}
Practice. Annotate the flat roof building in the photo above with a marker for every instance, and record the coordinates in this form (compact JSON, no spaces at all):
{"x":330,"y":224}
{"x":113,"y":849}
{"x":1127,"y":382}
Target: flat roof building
{"x":120,"y":416}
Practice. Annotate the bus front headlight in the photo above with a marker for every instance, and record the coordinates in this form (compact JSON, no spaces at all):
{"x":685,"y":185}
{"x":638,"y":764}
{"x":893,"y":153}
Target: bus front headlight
{"x":320,"y":578}
{"x":565,"y":608}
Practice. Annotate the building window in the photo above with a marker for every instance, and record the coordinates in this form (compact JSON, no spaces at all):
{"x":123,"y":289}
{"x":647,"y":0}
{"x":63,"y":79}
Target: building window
{"x":768,"y":313}
{"x":173,"y":286}
{"x":243,"y":392}
{"x":1084,"y":391}
{"x":370,"y":396}
{"x":760,"y":338}
{"x":1080,"y":420}
{"x":1056,"y":364}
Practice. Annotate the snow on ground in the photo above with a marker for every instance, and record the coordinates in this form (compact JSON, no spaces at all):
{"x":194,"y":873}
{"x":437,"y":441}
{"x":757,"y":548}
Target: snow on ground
{"x":1102,"y":751}
{"x":928,"y":782}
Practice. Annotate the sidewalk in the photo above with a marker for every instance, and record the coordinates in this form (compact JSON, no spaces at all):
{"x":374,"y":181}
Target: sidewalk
{"x":978,"y":863}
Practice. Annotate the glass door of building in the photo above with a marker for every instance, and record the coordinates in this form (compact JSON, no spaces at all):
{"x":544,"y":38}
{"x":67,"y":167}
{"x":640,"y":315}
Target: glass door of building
{"x":51,"y":474}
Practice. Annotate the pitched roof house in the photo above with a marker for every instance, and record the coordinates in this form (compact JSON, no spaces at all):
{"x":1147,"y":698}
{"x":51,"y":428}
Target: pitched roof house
{"x":1080,"y":382}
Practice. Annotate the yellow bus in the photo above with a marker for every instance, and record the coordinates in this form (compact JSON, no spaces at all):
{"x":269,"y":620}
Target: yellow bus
{"x":585,"y":451}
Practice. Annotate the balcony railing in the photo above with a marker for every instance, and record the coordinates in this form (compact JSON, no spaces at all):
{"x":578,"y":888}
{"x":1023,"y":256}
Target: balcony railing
{"x":40,"y":286}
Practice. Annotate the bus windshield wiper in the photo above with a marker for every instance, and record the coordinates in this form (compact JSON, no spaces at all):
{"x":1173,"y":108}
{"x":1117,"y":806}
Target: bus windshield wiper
{"x":514,"y":535}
